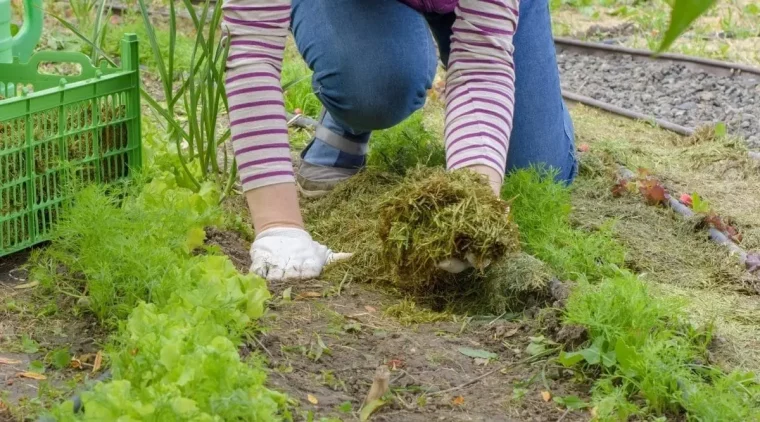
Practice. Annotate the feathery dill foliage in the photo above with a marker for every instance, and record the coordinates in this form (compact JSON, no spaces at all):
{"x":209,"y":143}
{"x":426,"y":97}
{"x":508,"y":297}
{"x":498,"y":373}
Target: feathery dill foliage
{"x":541,"y":208}
{"x":653,"y":361}
{"x":119,"y":245}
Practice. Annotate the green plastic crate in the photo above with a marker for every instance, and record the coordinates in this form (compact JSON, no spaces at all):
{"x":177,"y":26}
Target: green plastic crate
{"x":58,"y":134}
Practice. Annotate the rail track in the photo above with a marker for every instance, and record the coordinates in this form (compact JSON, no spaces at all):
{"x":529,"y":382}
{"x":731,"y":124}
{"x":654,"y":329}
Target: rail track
{"x":624,"y":81}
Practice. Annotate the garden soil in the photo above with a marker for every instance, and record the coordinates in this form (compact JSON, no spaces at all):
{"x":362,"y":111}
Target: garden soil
{"x":323,"y":343}
{"x":23,"y":314}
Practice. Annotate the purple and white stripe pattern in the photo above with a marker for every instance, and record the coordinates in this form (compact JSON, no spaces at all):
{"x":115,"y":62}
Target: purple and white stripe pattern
{"x":480,"y":84}
{"x":479,"y":87}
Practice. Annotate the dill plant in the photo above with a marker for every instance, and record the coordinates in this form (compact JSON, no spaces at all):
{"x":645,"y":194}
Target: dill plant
{"x":656,"y":362}
{"x":541,"y":208}
{"x":122,"y":244}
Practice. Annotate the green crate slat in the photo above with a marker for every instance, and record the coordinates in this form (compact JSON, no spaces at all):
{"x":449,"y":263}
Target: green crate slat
{"x":58,"y":134}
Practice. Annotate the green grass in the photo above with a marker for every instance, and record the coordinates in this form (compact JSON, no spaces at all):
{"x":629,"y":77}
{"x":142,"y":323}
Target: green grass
{"x":541,"y":208}
{"x":299,"y":94}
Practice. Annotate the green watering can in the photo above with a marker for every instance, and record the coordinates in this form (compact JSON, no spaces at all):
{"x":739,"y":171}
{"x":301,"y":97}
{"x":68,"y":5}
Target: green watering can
{"x":22,"y":44}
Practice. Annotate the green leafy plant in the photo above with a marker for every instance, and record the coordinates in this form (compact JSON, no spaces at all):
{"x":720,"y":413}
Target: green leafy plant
{"x":120,"y":245}
{"x":178,"y":359}
{"x":193,"y":97}
{"x":60,"y":358}
{"x":28,"y":345}
{"x":201,"y":93}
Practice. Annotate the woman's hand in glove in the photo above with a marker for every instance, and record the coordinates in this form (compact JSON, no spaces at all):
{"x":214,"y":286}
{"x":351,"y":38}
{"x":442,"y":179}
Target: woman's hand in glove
{"x":290,"y":254}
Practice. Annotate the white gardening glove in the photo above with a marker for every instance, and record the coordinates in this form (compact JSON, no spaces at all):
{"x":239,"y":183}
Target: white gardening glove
{"x":290,"y":254}
{"x":456,"y":265}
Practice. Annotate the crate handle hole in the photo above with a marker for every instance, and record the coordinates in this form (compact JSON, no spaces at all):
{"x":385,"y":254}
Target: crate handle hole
{"x":59,"y":68}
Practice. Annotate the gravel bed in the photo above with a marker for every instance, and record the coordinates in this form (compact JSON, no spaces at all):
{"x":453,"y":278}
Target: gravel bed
{"x":669,"y":91}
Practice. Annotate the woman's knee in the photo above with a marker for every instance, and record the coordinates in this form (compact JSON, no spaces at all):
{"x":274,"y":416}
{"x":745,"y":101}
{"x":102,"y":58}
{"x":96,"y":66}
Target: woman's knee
{"x":374,"y":92}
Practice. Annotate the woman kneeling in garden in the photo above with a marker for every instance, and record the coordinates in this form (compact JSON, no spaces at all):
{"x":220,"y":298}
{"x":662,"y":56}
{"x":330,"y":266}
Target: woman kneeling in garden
{"x":373,"y":63}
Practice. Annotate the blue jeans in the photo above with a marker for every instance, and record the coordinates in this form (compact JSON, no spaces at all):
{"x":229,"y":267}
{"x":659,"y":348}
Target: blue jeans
{"x":374,"y":60}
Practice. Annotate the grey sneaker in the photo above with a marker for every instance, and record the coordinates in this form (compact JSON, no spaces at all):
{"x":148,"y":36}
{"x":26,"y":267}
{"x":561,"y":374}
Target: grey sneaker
{"x":316,"y":181}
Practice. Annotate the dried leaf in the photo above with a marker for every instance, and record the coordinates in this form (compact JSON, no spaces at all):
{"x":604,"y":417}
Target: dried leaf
{"x":511,"y":333}
{"x":6,"y":361}
{"x":546,"y":396}
{"x":312,"y":399}
{"x":370,"y":309}
{"x":457,"y":401}
{"x":733,"y":234}
{"x":305,"y":295}
{"x":98,"y":362}
{"x":31,"y":375}
{"x":654,"y":193}
{"x":395,"y":364}
{"x":76,"y":363}
{"x":481,"y":362}
{"x":380,"y":385}
{"x":28,"y":285}
{"x":712,"y":220}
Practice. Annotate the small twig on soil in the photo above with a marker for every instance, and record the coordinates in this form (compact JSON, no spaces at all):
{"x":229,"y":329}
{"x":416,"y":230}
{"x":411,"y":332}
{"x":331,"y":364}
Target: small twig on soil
{"x":497,"y":318}
{"x":561,"y":418}
{"x":256,"y":339}
{"x":470,"y":382}
{"x":406,"y":405}
{"x":489,"y":373}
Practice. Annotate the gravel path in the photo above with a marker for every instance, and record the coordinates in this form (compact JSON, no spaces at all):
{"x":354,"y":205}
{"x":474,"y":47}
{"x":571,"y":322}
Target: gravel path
{"x":667,"y":90}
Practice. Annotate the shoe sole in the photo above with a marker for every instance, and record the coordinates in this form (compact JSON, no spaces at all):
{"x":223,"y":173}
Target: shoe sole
{"x":311,"y":194}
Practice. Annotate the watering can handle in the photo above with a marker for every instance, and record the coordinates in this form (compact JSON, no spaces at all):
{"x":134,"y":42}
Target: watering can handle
{"x":30,"y":32}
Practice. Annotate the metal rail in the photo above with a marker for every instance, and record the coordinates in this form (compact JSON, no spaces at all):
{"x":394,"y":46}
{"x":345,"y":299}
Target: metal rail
{"x":716,"y":66}
{"x":709,"y":65}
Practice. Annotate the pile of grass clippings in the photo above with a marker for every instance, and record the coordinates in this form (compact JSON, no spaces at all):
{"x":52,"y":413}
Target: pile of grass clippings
{"x":434,"y":215}
{"x":399,"y":228}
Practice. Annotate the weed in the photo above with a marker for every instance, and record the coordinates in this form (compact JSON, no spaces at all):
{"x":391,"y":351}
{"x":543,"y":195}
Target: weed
{"x":299,"y":95}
